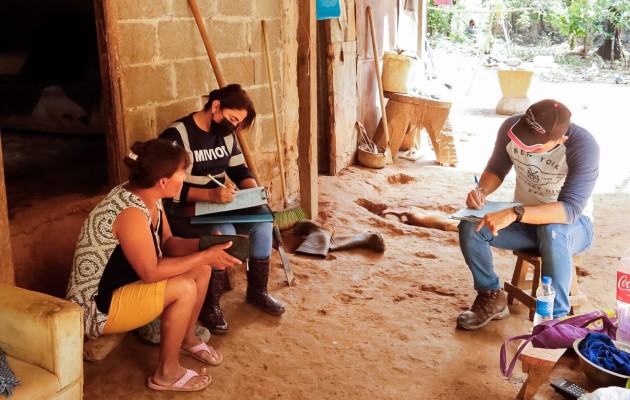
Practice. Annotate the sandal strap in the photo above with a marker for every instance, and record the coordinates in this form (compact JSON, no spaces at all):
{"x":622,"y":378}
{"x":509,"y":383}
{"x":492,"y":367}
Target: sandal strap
{"x":201,"y":346}
{"x":185,"y":378}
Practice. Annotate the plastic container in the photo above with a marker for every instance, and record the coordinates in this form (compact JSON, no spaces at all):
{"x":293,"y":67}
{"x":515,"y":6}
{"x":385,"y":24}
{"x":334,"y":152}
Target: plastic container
{"x":397,"y":72}
{"x":545,"y":296}
{"x":623,"y":299}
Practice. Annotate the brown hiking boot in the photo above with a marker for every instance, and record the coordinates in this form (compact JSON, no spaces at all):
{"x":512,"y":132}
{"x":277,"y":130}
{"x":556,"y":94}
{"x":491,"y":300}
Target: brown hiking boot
{"x":488,"y":305}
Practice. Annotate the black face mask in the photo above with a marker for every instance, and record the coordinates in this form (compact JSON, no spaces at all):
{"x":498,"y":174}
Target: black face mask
{"x":223,"y":128}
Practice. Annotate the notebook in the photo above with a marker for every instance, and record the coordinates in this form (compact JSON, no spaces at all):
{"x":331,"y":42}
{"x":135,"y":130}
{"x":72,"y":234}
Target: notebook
{"x":471,"y":214}
{"x":244,"y":198}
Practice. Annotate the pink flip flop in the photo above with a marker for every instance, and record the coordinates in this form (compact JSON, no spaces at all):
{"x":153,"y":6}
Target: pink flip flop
{"x":179,"y":385}
{"x":201,"y":346}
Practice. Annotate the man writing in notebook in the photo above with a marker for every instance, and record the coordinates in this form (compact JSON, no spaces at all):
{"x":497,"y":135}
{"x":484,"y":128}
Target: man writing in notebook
{"x":556,"y":164}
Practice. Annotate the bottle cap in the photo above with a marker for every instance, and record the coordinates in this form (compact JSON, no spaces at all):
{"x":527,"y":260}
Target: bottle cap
{"x":546,"y":280}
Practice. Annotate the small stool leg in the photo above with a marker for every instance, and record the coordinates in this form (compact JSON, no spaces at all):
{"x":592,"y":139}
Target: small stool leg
{"x":519,"y":277}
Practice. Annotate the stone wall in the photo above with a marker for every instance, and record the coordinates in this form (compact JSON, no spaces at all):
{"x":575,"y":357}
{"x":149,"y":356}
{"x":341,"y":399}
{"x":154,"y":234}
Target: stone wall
{"x":164,"y":70}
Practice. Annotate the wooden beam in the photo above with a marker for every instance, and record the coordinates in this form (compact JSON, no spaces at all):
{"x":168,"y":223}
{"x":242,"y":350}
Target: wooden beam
{"x":307,"y":111}
{"x":111,"y":94}
{"x":7,"y":274}
{"x":421,"y":11}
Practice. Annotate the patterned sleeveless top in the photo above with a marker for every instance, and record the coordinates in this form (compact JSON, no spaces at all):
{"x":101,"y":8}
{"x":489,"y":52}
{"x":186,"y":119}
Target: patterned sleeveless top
{"x":98,"y":251}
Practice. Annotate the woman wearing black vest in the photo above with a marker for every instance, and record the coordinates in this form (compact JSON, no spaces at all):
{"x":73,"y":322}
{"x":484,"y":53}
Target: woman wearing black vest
{"x":208,"y":136}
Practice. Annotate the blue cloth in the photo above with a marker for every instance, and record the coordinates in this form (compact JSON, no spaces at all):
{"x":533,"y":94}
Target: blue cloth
{"x":557,"y":243}
{"x":327,"y":9}
{"x":600,"y":350}
{"x":7,"y":379}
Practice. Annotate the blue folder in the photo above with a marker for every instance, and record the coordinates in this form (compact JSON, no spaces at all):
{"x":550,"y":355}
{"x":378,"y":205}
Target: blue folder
{"x":246,"y":215}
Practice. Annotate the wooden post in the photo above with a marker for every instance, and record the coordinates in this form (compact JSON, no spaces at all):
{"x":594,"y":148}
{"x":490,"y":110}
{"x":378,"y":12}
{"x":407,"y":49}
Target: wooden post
{"x":307,"y":93}
{"x":111,"y":93}
{"x":7,"y":274}
{"x":421,"y":11}
{"x":389,"y":153}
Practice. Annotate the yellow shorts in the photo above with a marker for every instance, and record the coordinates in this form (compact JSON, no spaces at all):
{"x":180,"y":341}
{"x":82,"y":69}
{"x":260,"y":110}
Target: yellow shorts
{"x":135,"y":305}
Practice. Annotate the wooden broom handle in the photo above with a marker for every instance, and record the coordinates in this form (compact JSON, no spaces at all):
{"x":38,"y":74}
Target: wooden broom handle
{"x":378,"y":77}
{"x":251,"y":164}
{"x":206,"y":42}
{"x":275,"y":115}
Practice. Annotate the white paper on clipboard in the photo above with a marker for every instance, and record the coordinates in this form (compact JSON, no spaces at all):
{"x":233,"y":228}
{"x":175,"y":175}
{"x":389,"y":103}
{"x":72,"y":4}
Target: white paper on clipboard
{"x":470,"y":214}
{"x":243,"y":199}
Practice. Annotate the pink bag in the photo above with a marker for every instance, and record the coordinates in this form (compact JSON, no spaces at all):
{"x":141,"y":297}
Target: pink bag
{"x":561,"y":333}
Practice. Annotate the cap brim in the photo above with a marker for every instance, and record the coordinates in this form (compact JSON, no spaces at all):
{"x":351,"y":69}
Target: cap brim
{"x":519,"y":143}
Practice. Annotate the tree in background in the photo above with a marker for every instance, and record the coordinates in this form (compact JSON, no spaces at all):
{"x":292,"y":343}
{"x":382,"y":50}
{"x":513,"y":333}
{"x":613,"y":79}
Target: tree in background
{"x":615,"y":16}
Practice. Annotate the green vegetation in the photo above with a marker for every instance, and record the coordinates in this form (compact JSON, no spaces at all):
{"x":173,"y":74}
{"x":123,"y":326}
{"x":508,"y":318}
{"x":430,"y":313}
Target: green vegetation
{"x":581,"y":28}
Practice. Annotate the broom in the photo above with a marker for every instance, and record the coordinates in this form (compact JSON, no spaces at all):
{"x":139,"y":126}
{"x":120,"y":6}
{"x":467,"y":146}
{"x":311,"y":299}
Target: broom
{"x":286,"y":218}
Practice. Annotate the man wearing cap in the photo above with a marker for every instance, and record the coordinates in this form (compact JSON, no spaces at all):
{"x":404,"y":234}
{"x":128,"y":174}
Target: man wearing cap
{"x":556,"y":164}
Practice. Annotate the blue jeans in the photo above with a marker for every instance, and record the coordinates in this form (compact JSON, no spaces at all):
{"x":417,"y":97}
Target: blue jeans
{"x":556,"y":243}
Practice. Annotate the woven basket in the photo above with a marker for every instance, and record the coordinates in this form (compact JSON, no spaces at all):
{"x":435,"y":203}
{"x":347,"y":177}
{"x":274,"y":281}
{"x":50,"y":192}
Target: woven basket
{"x":372,"y":160}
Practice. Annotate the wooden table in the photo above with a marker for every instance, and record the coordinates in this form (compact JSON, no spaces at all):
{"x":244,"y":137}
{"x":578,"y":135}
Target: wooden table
{"x":407,"y":113}
{"x":542,"y":369}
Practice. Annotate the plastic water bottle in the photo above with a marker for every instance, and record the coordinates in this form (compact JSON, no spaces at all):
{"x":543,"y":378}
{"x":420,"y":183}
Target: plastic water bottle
{"x":623,"y":299}
{"x":545,"y":296}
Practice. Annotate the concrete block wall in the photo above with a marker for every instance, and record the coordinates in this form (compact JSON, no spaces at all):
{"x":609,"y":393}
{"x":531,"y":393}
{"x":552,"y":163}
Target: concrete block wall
{"x":164,"y":70}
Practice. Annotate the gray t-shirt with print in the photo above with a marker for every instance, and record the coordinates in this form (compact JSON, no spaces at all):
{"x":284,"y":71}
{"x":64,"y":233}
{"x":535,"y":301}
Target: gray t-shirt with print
{"x":566,"y":173}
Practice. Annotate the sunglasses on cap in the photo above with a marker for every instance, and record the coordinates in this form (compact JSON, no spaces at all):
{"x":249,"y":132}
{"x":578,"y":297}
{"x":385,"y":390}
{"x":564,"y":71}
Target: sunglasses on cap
{"x":522,"y":145}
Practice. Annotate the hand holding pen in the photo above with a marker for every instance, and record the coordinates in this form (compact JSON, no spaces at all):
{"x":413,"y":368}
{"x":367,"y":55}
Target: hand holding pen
{"x":224,"y":194}
{"x":475,"y":198}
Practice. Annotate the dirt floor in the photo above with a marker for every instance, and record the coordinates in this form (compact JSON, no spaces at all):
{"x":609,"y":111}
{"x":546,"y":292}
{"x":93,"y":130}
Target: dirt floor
{"x":365,"y":325}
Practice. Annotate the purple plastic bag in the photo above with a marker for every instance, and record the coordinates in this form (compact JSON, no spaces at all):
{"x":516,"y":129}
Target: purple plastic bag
{"x":561,"y":333}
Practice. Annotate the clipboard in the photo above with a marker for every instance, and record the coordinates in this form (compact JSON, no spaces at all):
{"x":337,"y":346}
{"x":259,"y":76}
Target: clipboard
{"x":245,"y":198}
{"x":471,"y":214}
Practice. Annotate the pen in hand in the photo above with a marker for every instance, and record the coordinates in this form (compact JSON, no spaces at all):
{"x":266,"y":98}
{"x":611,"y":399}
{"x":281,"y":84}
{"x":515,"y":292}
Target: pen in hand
{"x":477,"y":188}
{"x":480,"y":200}
{"x":223,"y":186}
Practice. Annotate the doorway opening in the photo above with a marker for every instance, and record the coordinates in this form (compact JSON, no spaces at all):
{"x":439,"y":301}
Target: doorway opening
{"x":52,"y":127}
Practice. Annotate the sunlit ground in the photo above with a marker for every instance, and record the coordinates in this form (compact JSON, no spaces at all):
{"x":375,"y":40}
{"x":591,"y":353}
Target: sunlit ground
{"x":602,"y":108}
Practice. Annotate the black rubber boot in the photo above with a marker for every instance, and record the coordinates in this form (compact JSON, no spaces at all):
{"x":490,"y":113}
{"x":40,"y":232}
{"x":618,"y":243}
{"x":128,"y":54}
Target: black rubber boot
{"x":317,"y":241}
{"x":373,"y":241}
{"x":211,"y":316}
{"x":257,"y":295}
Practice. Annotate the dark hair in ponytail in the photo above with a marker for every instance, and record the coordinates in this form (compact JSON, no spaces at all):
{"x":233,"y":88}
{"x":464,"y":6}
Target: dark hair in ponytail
{"x":153,"y":160}
{"x":234,"y":97}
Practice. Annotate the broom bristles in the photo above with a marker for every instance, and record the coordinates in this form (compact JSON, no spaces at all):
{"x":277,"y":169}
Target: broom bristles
{"x":285,"y":219}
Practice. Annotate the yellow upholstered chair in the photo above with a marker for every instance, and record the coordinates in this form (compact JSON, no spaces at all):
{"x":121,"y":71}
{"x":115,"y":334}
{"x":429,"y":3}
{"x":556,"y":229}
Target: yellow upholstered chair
{"x":42,"y":336}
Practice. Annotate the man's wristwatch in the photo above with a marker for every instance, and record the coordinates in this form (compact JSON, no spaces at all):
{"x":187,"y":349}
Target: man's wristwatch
{"x":520,"y":211}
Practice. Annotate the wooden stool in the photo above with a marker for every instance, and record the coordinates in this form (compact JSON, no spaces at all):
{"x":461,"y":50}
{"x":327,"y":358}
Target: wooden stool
{"x":406,"y":112}
{"x":521,"y":284}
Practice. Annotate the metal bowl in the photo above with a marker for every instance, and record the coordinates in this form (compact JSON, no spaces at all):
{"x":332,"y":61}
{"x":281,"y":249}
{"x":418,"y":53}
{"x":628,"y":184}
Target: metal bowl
{"x":599,"y":375}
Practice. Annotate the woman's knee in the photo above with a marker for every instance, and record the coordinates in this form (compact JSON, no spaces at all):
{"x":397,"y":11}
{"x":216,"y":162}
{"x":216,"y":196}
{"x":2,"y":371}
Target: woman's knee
{"x":262,"y":229}
{"x":261,"y":238}
{"x":181,"y":287}
{"x":225,"y":229}
{"x":203,"y":274}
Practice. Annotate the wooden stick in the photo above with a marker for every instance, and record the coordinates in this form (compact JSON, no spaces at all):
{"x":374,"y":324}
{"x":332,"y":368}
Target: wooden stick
{"x":275,"y":115}
{"x":380,"y":85}
{"x":249,"y":160}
